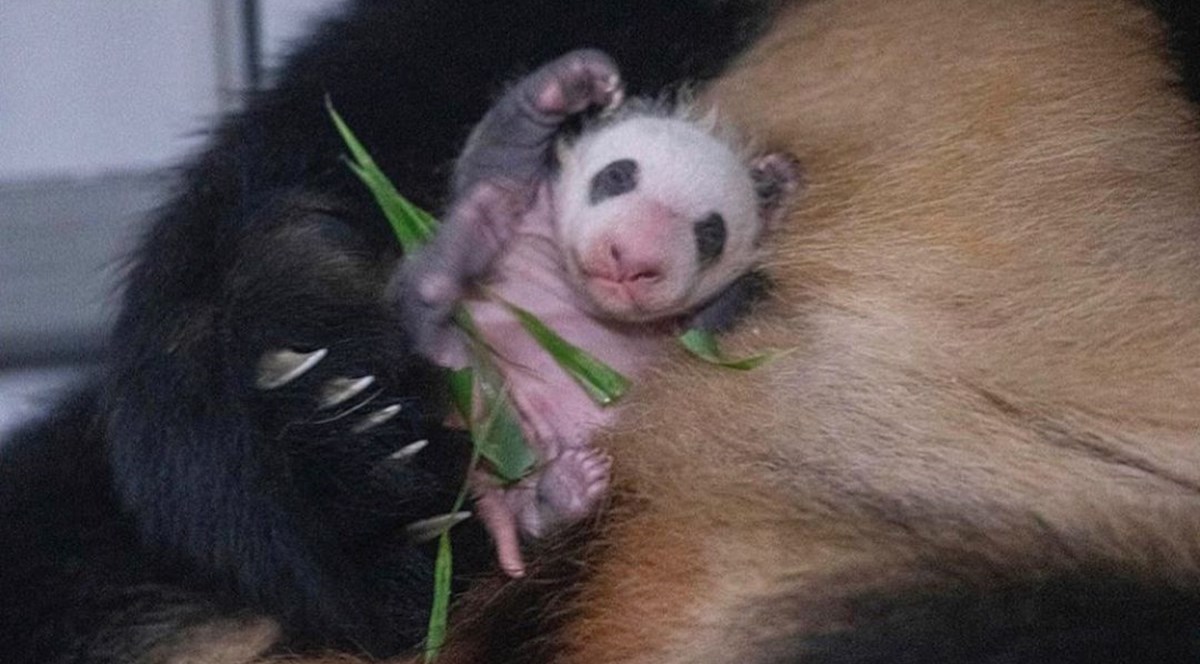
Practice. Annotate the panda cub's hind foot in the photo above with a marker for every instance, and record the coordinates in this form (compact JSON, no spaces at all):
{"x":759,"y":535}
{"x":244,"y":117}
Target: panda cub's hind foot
{"x":571,"y":486}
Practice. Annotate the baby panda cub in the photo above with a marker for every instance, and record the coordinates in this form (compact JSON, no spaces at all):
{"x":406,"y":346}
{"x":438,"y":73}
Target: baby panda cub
{"x":647,"y":221}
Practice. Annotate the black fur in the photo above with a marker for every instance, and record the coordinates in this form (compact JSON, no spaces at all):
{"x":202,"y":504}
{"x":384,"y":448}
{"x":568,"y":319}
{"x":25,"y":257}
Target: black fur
{"x":1182,"y":19}
{"x":710,"y":236}
{"x":1076,"y":618}
{"x":619,"y":177}
{"x":731,"y":305}
{"x":172,"y":490}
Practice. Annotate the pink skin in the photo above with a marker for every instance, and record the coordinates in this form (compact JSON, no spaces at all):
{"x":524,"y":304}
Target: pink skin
{"x":625,"y":269}
{"x":557,"y":416}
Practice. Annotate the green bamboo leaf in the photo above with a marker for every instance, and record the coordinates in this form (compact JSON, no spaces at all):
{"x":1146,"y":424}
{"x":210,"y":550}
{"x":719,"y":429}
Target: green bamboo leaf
{"x":439,"y":613}
{"x":462,"y":385}
{"x":602,"y":383}
{"x":703,"y":344}
{"x":496,"y":433}
{"x":439,"y":617}
{"x":413,"y":226}
{"x":504,"y":444}
{"x":498,"y":436}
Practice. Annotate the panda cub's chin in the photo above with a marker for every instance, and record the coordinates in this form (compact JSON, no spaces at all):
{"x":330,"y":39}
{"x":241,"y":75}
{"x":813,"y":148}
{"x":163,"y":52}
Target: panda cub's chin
{"x":613,"y":301}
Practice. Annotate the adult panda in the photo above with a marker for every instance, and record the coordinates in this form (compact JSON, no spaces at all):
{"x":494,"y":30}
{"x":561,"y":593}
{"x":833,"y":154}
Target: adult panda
{"x":980,"y":447}
{"x":244,"y":459}
{"x":982,"y":443}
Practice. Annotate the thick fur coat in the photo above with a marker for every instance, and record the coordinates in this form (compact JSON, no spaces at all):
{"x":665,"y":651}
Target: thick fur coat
{"x":981,"y":442}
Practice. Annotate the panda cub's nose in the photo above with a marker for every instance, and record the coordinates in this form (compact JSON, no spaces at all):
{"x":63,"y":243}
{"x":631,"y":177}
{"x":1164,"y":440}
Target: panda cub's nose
{"x":630,"y":266}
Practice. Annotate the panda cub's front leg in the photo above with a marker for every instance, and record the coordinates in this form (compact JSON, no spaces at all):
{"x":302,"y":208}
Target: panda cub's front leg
{"x":496,"y":181}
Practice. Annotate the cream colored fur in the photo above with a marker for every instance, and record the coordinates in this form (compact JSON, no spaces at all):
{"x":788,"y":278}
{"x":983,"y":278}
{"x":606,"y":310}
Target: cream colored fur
{"x":229,"y":641}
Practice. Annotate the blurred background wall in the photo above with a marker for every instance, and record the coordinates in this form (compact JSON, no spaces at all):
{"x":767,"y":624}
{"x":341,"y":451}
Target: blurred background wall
{"x":98,"y":99}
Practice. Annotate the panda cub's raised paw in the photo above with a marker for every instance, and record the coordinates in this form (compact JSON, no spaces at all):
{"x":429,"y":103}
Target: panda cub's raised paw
{"x":429,"y":286}
{"x":575,"y":82}
{"x":496,"y":180}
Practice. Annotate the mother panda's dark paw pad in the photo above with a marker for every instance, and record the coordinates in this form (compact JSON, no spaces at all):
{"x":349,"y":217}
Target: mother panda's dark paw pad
{"x":279,"y":367}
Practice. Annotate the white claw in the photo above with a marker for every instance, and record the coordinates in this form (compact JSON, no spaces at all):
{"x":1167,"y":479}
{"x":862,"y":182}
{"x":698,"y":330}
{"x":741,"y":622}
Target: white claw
{"x":280,"y":367}
{"x":375,"y":419}
{"x":339,"y":390}
{"x":408,"y":451}
{"x":427,"y":529}
{"x":618,"y":97}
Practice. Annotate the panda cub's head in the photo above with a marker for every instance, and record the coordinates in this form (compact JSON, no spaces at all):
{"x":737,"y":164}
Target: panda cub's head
{"x":656,"y":213}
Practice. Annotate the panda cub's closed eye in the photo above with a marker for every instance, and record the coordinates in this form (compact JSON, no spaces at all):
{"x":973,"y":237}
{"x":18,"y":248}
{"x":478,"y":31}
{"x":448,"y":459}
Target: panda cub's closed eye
{"x":710,"y":238}
{"x":619,"y":177}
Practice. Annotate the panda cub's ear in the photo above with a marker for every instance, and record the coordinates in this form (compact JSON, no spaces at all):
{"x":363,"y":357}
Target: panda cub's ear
{"x":777,"y":177}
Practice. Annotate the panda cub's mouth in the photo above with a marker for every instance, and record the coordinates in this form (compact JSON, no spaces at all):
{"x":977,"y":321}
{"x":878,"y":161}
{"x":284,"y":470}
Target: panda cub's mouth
{"x":632,"y":301}
{"x":621,"y":293}
{"x":617,"y":296}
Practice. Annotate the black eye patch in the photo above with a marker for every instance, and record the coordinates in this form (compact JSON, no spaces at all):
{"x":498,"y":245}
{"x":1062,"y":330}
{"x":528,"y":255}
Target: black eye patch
{"x":619,"y":177}
{"x":710,"y":238}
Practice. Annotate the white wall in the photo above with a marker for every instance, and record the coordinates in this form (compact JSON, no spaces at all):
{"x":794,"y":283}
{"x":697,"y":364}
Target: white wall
{"x":286,"y":21}
{"x":89,"y":86}
{"x":93,"y":85}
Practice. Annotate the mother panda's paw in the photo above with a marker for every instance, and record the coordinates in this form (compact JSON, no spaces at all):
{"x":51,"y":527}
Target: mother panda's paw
{"x":317,"y":352}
